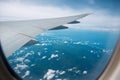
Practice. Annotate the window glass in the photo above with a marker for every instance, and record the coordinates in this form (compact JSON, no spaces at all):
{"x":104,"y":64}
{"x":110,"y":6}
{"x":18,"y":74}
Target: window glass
{"x":80,"y":52}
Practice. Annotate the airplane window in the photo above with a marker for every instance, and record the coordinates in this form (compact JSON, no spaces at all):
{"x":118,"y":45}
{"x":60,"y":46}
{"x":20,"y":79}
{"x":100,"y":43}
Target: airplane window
{"x":59,"y":40}
{"x":69,"y":54}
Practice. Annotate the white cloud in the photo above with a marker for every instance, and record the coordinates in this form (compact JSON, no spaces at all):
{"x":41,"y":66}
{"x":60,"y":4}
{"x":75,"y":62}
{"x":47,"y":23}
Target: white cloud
{"x":100,"y":18}
{"x":85,"y":72}
{"x":22,"y":11}
{"x":21,"y":66}
{"x":97,"y":19}
{"x":53,"y":56}
{"x":50,"y":74}
{"x":27,"y":73}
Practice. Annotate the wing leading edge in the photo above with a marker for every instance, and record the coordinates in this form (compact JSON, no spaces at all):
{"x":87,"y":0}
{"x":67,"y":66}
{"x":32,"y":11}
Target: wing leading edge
{"x":14,"y":34}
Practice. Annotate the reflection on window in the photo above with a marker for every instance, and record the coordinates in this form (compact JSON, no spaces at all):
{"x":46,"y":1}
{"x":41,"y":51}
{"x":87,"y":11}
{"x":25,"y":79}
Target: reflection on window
{"x":65,"y":55}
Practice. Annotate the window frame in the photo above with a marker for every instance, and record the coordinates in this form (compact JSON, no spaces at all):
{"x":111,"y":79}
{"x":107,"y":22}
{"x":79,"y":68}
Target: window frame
{"x":6,"y":72}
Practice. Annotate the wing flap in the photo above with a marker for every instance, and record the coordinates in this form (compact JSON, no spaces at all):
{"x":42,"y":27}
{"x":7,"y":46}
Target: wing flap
{"x":59,"y":27}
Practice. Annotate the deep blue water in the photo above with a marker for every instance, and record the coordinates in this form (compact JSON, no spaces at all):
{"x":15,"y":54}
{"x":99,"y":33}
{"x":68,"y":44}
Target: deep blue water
{"x":69,"y":54}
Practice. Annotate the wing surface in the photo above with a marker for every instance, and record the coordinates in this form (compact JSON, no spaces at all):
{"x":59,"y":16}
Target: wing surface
{"x":14,"y":34}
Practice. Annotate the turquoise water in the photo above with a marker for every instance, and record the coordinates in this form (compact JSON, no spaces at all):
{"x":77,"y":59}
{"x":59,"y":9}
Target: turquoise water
{"x":69,"y":54}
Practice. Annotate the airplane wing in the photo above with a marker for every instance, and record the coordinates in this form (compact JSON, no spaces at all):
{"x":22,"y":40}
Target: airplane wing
{"x":14,"y":34}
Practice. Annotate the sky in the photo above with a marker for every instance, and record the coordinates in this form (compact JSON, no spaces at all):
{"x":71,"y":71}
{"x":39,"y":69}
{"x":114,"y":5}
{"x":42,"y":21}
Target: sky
{"x":106,"y":13}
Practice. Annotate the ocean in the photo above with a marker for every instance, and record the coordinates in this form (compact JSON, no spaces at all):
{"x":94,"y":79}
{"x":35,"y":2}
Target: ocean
{"x":70,"y":54}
